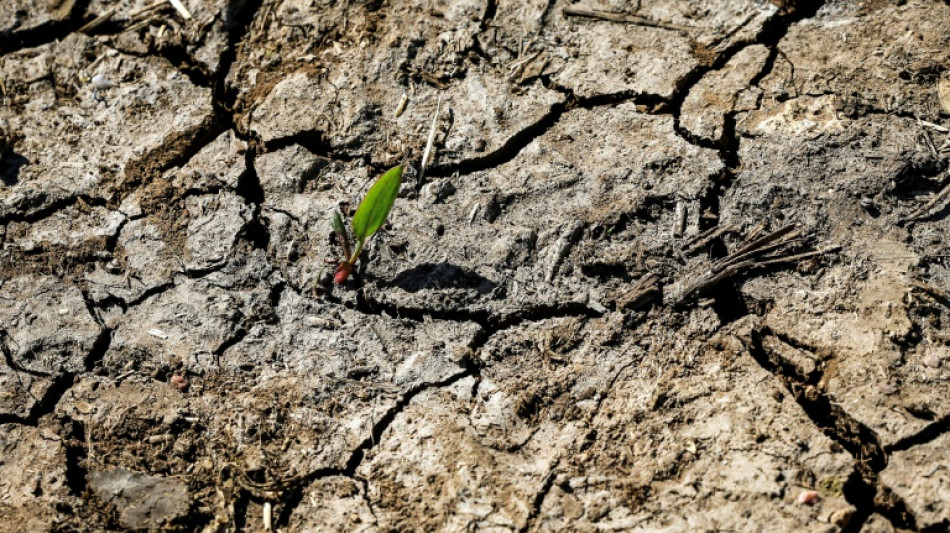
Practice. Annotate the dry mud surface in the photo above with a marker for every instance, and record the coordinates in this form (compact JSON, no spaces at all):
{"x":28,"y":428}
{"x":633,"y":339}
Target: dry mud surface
{"x":681,"y":272}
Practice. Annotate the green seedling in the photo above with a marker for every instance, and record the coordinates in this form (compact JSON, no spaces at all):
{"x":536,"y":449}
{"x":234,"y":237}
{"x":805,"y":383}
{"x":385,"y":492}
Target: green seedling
{"x":370,"y":216}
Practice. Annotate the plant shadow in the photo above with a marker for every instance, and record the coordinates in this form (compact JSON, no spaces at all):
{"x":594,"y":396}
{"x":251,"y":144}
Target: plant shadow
{"x":441,"y":276}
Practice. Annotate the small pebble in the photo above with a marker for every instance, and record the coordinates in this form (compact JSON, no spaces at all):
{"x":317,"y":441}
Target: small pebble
{"x":100,"y":81}
{"x":809,"y":497}
{"x":932,"y":361}
{"x":180,"y":382}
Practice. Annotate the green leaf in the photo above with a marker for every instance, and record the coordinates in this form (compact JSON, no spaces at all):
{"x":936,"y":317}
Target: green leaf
{"x":373,"y":210}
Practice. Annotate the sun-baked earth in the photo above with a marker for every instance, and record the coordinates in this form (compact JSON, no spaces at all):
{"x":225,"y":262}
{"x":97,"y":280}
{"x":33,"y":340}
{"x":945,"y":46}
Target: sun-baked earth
{"x":675,"y":266}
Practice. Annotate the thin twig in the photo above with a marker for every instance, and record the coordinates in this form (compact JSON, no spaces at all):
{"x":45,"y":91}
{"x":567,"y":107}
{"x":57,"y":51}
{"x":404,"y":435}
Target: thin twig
{"x":682,"y":291}
{"x":926,"y":208}
{"x":757,"y":244}
{"x":427,"y":153}
{"x":758,"y":252}
{"x":758,"y":247}
{"x":626,"y":19}
{"x":708,"y":236}
{"x":139,"y":25}
{"x":98,"y":21}
{"x":799,"y":257}
{"x":154,"y":5}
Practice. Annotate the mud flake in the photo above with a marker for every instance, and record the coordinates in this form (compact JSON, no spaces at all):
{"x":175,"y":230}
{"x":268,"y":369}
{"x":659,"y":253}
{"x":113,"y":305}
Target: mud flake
{"x":98,"y":147}
{"x":921,"y":478}
{"x":48,"y":328}
{"x":720,"y":93}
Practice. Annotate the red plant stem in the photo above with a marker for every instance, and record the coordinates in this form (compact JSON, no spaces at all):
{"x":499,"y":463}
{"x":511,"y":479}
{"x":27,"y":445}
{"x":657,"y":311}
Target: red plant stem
{"x":342,"y":272}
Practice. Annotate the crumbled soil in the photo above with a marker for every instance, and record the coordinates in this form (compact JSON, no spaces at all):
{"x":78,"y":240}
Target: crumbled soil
{"x":674,"y":266}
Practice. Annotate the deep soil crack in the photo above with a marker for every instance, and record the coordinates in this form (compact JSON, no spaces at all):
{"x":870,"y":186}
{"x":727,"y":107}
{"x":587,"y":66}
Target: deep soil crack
{"x":45,"y":405}
{"x":76,"y":454}
{"x":60,"y":382}
{"x":471,"y":368}
{"x":175,"y":151}
{"x":863,"y":489}
{"x":522,"y":138}
{"x":771,"y":33}
{"x":242,"y":17}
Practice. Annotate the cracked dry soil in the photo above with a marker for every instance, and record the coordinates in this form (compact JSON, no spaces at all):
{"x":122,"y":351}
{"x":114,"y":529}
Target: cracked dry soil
{"x":687,"y":272}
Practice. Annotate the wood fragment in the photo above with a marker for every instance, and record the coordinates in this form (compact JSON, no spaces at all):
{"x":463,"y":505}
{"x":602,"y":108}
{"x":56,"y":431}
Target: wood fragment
{"x":643,"y":292}
{"x":433,"y":80}
{"x":427,"y":153}
{"x":799,"y":257}
{"x":925,"y":209}
{"x":626,"y":19}
{"x":180,"y":7}
{"x":401,"y":106}
{"x":931,"y":125}
{"x":679,"y":219}
{"x":927,"y":137}
{"x":688,"y":289}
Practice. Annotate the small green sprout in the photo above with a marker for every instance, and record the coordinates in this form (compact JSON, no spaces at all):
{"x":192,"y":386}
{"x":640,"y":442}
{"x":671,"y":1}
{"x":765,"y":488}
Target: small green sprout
{"x":370,"y":216}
